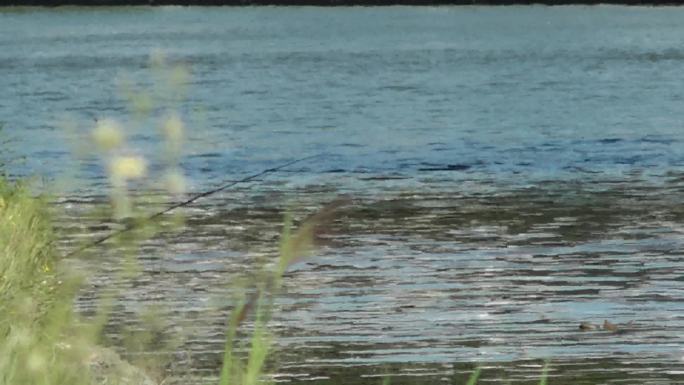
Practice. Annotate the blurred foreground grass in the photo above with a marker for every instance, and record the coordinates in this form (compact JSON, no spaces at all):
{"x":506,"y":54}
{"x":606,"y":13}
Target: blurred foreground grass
{"x":42,"y":340}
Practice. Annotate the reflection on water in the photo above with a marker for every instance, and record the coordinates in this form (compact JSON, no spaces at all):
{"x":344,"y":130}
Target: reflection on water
{"x":419,"y":283}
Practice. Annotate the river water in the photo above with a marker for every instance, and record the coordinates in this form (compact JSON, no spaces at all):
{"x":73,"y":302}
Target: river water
{"x":514,"y":171}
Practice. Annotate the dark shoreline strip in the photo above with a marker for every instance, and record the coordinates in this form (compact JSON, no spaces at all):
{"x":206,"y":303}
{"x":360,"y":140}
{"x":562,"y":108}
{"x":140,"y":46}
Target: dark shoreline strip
{"x":325,"y":3}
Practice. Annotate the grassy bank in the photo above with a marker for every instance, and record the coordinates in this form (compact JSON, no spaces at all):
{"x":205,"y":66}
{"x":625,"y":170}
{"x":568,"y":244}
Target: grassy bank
{"x":42,"y":340}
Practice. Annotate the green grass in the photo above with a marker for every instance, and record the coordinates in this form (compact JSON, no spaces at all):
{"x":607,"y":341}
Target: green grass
{"x":294,"y":247}
{"x":545,"y":373}
{"x":41,"y":342}
{"x":474,"y":376}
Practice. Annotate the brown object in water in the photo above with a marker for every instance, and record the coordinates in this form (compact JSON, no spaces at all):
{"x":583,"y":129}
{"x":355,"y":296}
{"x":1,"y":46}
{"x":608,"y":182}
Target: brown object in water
{"x":610,"y":326}
{"x":584,"y":326}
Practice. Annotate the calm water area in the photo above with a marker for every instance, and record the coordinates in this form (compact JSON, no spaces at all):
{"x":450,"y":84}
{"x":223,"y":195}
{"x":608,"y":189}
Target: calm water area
{"x":514,"y":172}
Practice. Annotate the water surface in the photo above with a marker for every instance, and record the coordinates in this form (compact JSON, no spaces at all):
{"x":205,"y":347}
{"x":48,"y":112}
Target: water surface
{"x":514,"y":171}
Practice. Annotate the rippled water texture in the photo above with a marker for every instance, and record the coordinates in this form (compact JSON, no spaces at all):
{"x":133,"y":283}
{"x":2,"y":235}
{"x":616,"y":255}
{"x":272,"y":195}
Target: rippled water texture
{"x":514,"y":171}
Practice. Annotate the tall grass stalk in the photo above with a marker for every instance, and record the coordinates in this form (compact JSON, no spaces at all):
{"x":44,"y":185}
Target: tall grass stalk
{"x":545,"y":373}
{"x":294,"y":247}
{"x":472,"y":380}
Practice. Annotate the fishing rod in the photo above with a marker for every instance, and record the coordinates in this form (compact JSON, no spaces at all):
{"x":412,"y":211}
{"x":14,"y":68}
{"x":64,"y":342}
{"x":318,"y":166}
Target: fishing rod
{"x":132,"y":225}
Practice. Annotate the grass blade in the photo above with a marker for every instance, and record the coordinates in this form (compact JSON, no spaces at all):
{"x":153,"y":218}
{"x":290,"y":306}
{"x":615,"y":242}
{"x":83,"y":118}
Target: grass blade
{"x":472,"y":380}
{"x":545,"y":373}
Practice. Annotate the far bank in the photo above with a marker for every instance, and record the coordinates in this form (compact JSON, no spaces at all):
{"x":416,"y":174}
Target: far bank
{"x":324,"y":3}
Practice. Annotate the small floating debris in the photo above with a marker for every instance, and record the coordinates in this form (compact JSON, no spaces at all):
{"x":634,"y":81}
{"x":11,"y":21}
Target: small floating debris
{"x":385,"y":177}
{"x":585,"y":326}
{"x":609,"y":326}
{"x":448,"y":167}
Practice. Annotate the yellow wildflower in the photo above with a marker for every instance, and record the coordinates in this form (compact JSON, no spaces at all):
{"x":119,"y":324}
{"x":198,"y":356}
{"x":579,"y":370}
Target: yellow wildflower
{"x":127,"y":167}
{"x":108,"y":134}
